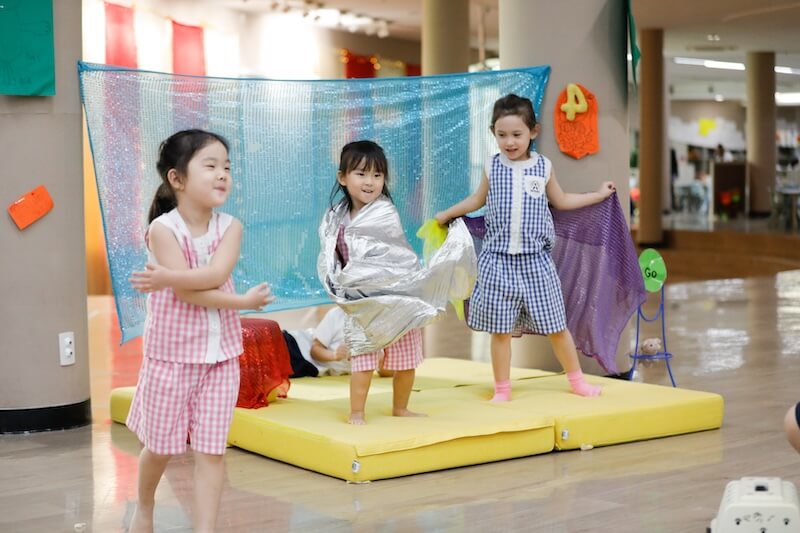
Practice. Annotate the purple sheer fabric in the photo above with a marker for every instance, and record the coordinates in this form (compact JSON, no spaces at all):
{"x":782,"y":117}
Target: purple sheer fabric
{"x":600,"y":277}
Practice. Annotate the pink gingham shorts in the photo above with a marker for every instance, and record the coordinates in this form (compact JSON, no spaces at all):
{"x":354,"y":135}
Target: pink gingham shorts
{"x":174,"y":401}
{"x":404,"y":354}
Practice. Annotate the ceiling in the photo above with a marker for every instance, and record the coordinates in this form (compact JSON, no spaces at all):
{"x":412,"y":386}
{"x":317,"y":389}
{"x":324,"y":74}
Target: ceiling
{"x":739,"y":26}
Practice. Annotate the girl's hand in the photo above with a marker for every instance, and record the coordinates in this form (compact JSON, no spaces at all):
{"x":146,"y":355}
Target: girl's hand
{"x":606,"y":189}
{"x":441,"y":218}
{"x":258,"y":296}
{"x":342,"y":353}
{"x":153,"y":278}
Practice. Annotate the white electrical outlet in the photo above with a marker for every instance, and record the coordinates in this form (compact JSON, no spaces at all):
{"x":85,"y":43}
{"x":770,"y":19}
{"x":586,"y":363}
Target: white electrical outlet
{"x":66,"y":348}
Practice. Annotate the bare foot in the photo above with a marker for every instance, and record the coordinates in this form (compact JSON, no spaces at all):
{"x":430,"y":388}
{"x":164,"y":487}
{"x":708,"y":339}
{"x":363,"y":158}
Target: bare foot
{"x":405,"y":412}
{"x":141,"y":522}
{"x":357,"y":418}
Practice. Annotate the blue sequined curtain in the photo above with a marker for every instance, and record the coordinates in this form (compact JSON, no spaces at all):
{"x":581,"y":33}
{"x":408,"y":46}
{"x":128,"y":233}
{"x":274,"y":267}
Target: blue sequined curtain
{"x":285,"y":138}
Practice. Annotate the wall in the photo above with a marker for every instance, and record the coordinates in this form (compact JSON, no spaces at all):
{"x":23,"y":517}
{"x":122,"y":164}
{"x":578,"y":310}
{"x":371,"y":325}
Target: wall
{"x":43,"y":267}
{"x":727,"y":118}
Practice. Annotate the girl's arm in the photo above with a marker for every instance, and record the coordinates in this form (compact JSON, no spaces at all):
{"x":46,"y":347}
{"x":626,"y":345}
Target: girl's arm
{"x":157,"y":276}
{"x":471,"y":203}
{"x":323,"y":354}
{"x":566,"y":201}
{"x":168,"y":253}
{"x":255,"y":298}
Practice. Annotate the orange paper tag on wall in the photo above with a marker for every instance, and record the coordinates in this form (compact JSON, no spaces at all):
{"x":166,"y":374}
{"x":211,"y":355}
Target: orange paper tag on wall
{"x":30,"y":207}
{"x":575,"y":121}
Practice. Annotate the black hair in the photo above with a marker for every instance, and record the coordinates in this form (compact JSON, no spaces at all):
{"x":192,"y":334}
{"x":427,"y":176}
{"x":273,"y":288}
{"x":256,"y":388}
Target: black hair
{"x":511,"y":104}
{"x":360,"y":154}
{"x":176,"y":152}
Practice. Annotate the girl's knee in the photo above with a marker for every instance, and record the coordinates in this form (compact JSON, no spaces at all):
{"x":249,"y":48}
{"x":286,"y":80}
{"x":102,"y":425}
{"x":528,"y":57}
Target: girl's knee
{"x":209,"y":458}
{"x":559,"y":335}
{"x":153,"y":457}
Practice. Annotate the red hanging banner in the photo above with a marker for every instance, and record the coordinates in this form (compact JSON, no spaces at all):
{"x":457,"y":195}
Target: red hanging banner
{"x":120,"y":37}
{"x":356,"y":66}
{"x":413,"y":70}
{"x":188,"y":51}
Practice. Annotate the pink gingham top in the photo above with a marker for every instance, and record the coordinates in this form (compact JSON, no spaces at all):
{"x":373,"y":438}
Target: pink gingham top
{"x":180,"y":332}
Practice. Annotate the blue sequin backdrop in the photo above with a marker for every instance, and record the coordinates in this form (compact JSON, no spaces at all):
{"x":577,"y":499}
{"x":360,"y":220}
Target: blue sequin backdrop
{"x":285,"y":138}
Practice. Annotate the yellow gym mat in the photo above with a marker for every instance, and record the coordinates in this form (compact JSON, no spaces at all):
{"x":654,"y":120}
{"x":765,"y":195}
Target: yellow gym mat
{"x":308,"y":429}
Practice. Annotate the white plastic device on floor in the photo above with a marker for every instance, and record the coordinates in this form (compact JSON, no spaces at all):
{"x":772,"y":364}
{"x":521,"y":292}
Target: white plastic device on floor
{"x":758,"y":505}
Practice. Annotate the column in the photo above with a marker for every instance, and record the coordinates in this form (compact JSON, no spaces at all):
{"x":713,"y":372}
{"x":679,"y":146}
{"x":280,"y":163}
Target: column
{"x":651,"y":136}
{"x":760,"y":130}
{"x":445,"y":36}
{"x":43,"y":271}
{"x":445,"y":49}
{"x":586,"y":43}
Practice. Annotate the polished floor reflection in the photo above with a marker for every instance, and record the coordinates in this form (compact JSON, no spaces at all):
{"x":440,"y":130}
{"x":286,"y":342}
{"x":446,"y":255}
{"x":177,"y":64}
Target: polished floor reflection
{"x":739,"y":338}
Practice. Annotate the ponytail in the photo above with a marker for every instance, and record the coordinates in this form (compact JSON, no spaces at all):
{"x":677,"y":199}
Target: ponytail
{"x":163,"y":202}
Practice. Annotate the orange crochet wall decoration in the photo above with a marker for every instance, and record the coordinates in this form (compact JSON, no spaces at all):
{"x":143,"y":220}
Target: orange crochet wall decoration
{"x":575,"y":121}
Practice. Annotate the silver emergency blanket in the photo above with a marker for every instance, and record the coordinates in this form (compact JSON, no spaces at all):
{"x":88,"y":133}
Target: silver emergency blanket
{"x":384,"y":289}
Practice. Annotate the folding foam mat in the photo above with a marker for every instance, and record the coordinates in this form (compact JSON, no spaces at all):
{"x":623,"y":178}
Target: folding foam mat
{"x":308,"y":428}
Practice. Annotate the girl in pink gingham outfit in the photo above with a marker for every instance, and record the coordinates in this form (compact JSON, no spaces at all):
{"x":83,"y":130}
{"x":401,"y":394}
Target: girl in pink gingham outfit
{"x":361,"y":180}
{"x":189,"y":380}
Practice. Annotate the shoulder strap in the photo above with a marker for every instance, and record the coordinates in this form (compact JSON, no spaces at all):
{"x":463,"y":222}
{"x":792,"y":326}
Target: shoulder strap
{"x":487,"y":167}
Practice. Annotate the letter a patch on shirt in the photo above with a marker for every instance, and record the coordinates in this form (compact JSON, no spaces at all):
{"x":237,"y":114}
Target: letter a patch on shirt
{"x":534,"y":186}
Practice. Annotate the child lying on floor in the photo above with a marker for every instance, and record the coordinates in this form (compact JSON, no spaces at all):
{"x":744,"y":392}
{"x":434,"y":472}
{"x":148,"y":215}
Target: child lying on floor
{"x":321,"y":351}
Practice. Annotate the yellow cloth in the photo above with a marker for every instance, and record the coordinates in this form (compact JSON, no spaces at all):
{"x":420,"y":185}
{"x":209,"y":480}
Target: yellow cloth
{"x":433,"y":236}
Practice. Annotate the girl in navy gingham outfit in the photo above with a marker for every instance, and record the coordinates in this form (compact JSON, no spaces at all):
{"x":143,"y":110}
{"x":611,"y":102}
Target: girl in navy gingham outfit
{"x":518,"y":286}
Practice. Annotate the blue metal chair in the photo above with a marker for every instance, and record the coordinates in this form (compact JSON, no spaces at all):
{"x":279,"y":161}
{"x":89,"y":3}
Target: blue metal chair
{"x":663,"y":355}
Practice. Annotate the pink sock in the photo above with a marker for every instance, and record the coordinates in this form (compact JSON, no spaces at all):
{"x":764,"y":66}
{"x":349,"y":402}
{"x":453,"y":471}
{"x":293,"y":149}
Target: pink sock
{"x":502,"y":391}
{"x":580,"y":387}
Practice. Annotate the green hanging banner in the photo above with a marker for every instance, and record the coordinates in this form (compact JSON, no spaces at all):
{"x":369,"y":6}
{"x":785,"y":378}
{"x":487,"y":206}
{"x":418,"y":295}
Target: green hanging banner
{"x":635,"y":52}
{"x":27,"y":59}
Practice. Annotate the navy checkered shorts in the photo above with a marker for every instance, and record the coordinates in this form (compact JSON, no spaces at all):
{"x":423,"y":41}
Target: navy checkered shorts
{"x":517,"y":291}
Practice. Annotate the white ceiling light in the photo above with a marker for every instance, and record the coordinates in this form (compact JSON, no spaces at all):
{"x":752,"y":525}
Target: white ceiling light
{"x":788,"y":70}
{"x":727,"y":65}
{"x":723,"y":65}
{"x":689,"y":61}
{"x":708,"y":63}
{"x":787,"y":98}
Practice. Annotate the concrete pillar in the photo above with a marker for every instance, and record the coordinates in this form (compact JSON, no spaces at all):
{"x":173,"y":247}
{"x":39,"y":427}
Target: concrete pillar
{"x":445,"y":36}
{"x":760,"y":129}
{"x":651,"y":136}
{"x":583,"y":42}
{"x":43,"y":270}
{"x":445,"y":49}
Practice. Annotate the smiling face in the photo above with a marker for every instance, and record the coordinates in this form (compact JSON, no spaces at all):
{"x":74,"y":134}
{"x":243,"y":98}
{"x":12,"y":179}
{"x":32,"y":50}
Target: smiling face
{"x":514,"y":137}
{"x":363,"y":185}
{"x":207,"y":182}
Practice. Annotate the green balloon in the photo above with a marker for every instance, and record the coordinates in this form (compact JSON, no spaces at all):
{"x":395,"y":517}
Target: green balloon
{"x":654,"y":270}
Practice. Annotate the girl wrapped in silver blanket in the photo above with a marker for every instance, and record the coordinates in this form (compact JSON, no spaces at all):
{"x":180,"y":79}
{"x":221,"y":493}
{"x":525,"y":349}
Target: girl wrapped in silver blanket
{"x":369,"y":269}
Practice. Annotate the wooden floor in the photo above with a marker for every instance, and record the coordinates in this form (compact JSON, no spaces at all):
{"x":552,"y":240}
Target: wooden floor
{"x":739,"y":338}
